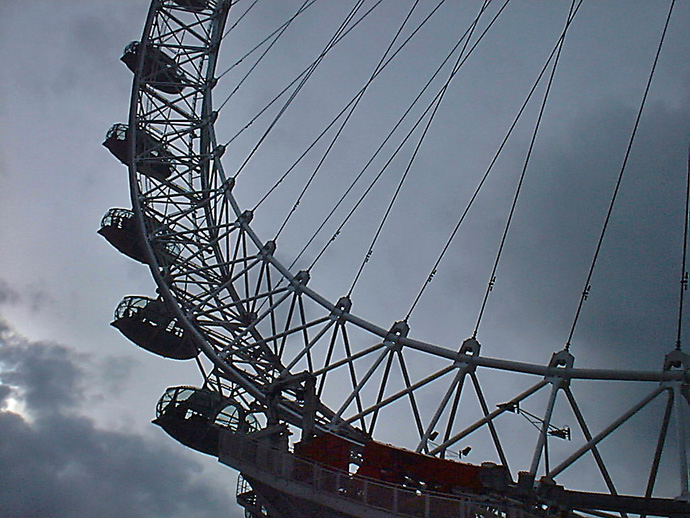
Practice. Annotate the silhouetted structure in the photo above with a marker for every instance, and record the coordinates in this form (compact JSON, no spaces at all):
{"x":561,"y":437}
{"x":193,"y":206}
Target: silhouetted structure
{"x":119,"y":227}
{"x":150,"y":325}
{"x":195,"y":417}
{"x":155,"y":158}
{"x":160,"y":71}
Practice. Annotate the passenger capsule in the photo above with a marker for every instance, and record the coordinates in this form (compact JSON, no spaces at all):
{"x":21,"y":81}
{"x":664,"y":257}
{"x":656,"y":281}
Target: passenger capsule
{"x":160,"y":71}
{"x":120,"y":229}
{"x":192,"y":5}
{"x":156,"y":161}
{"x":149,"y":324}
{"x":195,"y":417}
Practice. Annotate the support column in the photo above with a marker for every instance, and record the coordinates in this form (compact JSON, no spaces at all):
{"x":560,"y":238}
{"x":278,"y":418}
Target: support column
{"x":560,"y":360}
{"x":544,"y":430}
{"x":681,"y":416}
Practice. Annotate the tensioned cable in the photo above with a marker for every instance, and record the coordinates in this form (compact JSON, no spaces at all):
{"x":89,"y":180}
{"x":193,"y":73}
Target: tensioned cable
{"x":438,"y":101}
{"x":240,"y":18}
{"x":410,"y":132}
{"x":492,"y":276}
{"x":683,"y":271}
{"x":378,"y":150}
{"x":347,"y":106}
{"x":279,"y":31}
{"x":585,"y":291}
{"x":371,"y":184}
{"x":304,"y":80}
{"x":296,"y":79}
{"x":354,"y":106}
{"x":488,"y":171}
{"x":390,"y":134}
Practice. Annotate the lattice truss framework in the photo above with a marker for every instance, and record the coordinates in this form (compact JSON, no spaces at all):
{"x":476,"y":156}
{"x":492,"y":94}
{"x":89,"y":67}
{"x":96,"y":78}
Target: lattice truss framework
{"x":259,"y":323}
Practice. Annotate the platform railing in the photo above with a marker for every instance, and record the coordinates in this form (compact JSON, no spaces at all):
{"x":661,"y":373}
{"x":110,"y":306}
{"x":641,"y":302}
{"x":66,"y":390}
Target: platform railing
{"x":242,"y":452}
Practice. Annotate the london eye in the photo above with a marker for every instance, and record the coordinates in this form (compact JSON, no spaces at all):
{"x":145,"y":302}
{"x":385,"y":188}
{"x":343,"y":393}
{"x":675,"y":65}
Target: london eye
{"x":308,"y":180}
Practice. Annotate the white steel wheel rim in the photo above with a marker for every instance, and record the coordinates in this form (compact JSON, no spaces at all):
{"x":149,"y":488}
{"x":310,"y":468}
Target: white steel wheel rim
{"x":206,"y":290}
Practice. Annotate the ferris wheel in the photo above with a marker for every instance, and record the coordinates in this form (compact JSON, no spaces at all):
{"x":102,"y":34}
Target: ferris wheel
{"x":324,"y":410}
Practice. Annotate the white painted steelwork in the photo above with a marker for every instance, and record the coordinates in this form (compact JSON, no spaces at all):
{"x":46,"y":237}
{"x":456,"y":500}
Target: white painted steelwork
{"x":241,"y":305}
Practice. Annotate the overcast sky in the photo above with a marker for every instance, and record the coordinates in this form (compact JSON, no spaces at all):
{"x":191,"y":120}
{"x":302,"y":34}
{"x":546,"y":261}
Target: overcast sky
{"x":77,"y":398}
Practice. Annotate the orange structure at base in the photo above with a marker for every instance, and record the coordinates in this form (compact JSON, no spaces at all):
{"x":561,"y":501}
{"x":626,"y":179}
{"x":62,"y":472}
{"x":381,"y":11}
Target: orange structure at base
{"x":404,"y":467}
{"x":393,"y":465}
{"x":327,"y":449}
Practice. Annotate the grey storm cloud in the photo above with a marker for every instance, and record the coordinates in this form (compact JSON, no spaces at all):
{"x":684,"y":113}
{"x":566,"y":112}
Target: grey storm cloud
{"x":31,"y":297}
{"x":65,"y":86}
{"x":572,"y":180}
{"x":8,"y":295}
{"x":56,"y":462}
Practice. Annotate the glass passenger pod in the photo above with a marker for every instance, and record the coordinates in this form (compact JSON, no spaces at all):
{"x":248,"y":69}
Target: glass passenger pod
{"x":195,"y":417}
{"x":233,"y":417}
{"x":155,"y":158}
{"x":149,"y":324}
{"x":120,"y":229}
{"x":160,"y":70}
{"x":248,"y":498}
{"x":193,"y":5}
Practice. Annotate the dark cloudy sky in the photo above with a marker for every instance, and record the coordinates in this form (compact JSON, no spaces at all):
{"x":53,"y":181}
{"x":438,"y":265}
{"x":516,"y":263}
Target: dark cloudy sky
{"x":80,"y":441}
{"x":58,"y":461}
{"x":77,"y":398}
